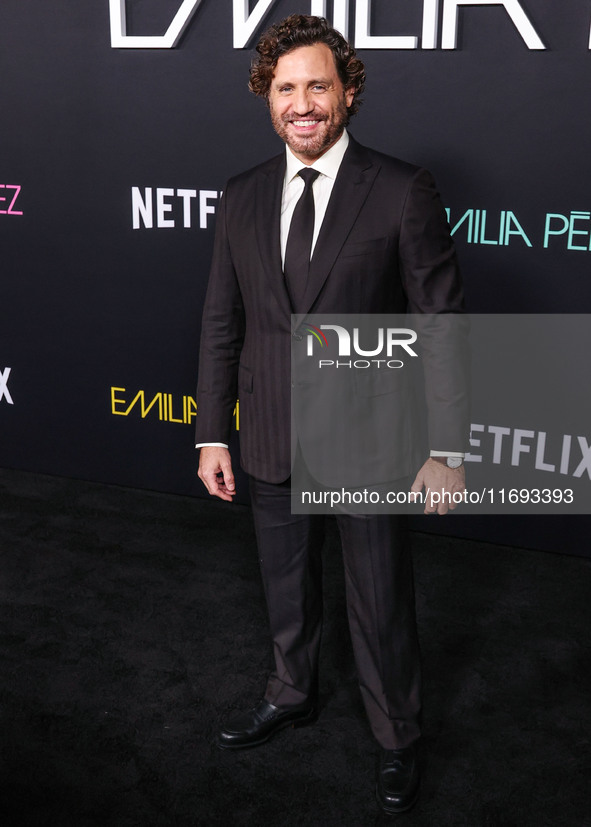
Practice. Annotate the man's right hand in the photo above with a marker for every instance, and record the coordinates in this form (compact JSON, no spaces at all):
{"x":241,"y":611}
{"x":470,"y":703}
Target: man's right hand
{"x":215,"y":472}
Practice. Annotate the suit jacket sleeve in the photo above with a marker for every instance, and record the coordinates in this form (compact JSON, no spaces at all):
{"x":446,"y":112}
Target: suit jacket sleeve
{"x":222,"y":335}
{"x":429,"y":266}
{"x":433,"y":285}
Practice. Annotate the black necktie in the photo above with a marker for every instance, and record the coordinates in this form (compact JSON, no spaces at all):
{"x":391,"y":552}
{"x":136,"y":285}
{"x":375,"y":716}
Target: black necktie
{"x":299,"y":241}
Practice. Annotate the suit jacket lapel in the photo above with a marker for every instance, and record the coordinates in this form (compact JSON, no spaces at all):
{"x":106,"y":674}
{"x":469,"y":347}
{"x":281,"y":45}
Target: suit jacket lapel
{"x":268,"y":223}
{"x":351,"y":188}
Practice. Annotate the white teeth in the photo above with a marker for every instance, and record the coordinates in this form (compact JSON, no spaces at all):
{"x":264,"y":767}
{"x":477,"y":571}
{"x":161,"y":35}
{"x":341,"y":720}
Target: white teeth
{"x":304,"y":123}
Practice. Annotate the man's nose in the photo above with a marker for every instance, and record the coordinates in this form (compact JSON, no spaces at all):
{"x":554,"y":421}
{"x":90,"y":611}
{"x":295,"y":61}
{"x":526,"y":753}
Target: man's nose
{"x":302,"y":103}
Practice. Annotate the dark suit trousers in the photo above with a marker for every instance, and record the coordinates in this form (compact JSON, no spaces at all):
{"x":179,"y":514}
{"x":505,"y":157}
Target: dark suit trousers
{"x":380,"y":608}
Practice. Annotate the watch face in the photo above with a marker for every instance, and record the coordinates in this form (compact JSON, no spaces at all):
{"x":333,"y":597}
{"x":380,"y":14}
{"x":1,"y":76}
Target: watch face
{"x":454,"y":462}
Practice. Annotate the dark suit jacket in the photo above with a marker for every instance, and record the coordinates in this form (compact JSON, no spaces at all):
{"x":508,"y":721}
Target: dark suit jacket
{"x":384,"y":247}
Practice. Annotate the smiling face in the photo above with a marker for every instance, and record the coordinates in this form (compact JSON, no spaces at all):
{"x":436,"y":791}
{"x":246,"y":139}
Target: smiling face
{"x":308,"y":101}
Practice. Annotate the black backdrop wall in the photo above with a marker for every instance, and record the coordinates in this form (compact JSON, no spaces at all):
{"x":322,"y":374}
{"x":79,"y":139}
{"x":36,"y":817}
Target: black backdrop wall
{"x":113,"y":158}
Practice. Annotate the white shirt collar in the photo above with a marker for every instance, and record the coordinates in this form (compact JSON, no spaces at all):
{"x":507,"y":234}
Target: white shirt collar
{"x":328,"y":164}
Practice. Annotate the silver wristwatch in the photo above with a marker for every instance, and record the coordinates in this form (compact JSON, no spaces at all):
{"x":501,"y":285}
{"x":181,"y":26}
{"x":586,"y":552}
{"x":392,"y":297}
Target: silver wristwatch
{"x":451,"y":462}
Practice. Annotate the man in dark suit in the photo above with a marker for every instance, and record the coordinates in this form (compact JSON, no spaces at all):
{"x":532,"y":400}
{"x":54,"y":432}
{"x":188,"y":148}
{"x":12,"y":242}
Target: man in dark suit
{"x":374,"y":239}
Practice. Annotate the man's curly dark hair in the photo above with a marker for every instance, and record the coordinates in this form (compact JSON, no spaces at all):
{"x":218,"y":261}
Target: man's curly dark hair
{"x":305,"y":30}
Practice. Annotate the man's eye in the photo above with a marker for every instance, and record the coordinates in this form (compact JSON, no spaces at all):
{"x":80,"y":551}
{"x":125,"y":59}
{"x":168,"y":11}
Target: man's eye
{"x":319,"y":88}
{"x":286,"y":89}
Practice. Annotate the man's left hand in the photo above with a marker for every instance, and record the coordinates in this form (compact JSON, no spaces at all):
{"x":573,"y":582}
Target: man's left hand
{"x":441,"y":483}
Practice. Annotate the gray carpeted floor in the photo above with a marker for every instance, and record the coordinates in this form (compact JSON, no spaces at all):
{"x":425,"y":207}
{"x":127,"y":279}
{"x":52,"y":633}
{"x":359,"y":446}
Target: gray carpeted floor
{"x":132,"y":622}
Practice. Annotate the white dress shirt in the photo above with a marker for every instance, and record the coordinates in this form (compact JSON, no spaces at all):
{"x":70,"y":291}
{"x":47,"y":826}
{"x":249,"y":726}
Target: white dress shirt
{"x":328,"y":166}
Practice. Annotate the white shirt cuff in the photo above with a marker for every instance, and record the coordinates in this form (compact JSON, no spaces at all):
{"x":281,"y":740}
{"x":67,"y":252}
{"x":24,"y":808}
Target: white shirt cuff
{"x":447,"y":454}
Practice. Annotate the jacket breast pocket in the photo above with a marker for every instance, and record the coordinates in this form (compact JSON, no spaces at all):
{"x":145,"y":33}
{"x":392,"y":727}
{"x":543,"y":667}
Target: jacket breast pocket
{"x":364,"y":248}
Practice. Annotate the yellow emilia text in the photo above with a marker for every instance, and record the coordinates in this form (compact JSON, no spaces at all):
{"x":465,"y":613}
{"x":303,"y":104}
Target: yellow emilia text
{"x":162,"y":406}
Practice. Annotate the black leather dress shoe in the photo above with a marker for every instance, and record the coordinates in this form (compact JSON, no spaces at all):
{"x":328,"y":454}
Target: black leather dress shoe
{"x":398,"y":780}
{"x":261,"y":722}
